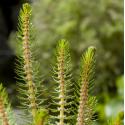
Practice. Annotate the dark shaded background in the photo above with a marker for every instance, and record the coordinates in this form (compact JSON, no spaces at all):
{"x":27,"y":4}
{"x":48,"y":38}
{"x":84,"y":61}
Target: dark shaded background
{"x":8,"y":22}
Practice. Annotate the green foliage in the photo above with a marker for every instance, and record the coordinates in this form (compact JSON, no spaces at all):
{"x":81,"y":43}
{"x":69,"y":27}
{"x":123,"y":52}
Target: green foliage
{"x":41,"y":117}
{"x":112,"y":105}
{"x":84,"y":23}
{"x":87,"y":23}
{"x":6,"y":113}
{"x":120,"y":86}
{"x":118,"y":120}
{"x":86,"y":104}
{"x":68,"y":98}
{"x":71,"y":103}
{"x":64,"y":98}
{"x":29,"y":84}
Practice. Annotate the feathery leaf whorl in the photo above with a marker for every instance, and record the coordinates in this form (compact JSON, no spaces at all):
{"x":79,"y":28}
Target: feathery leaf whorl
{"x":87,"y":70}
{"x":6,"y":114}
{"x":27,"y":69}
{"x":63,"y":98}
{"x":24,"y":67}
{"x":25,"y":18}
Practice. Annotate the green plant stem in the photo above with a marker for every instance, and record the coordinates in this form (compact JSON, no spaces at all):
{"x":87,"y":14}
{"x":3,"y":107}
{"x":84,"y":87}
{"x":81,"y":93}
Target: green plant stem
{"x":86,"y":75}
{"x":83,"y":99}
{"x":61,"y":77}
{"x":28,"y":64}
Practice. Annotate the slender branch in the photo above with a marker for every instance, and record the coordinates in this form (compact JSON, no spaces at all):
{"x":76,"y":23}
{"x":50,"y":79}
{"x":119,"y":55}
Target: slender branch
{"x":61,"y":77}
{"x":83,"y":98}
{"x":27,"y":59}
{"x":87,"y":69}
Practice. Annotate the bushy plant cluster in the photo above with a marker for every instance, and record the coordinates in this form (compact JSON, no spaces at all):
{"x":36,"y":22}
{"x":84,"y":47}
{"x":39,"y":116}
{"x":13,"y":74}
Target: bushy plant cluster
{"x":71,"y":103}
{"x":83,"y":23}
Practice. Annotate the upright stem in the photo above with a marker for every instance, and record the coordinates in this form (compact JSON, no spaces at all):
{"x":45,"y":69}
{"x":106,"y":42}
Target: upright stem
{"x":61,"y":77}
{"x":88,"y":61}
{"x":28,"y":65}
{"x":3,"y":113}
{"x":83,"y":98}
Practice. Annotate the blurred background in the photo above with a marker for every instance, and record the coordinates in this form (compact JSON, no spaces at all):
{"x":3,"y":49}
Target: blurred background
{"x":82,"y":23}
